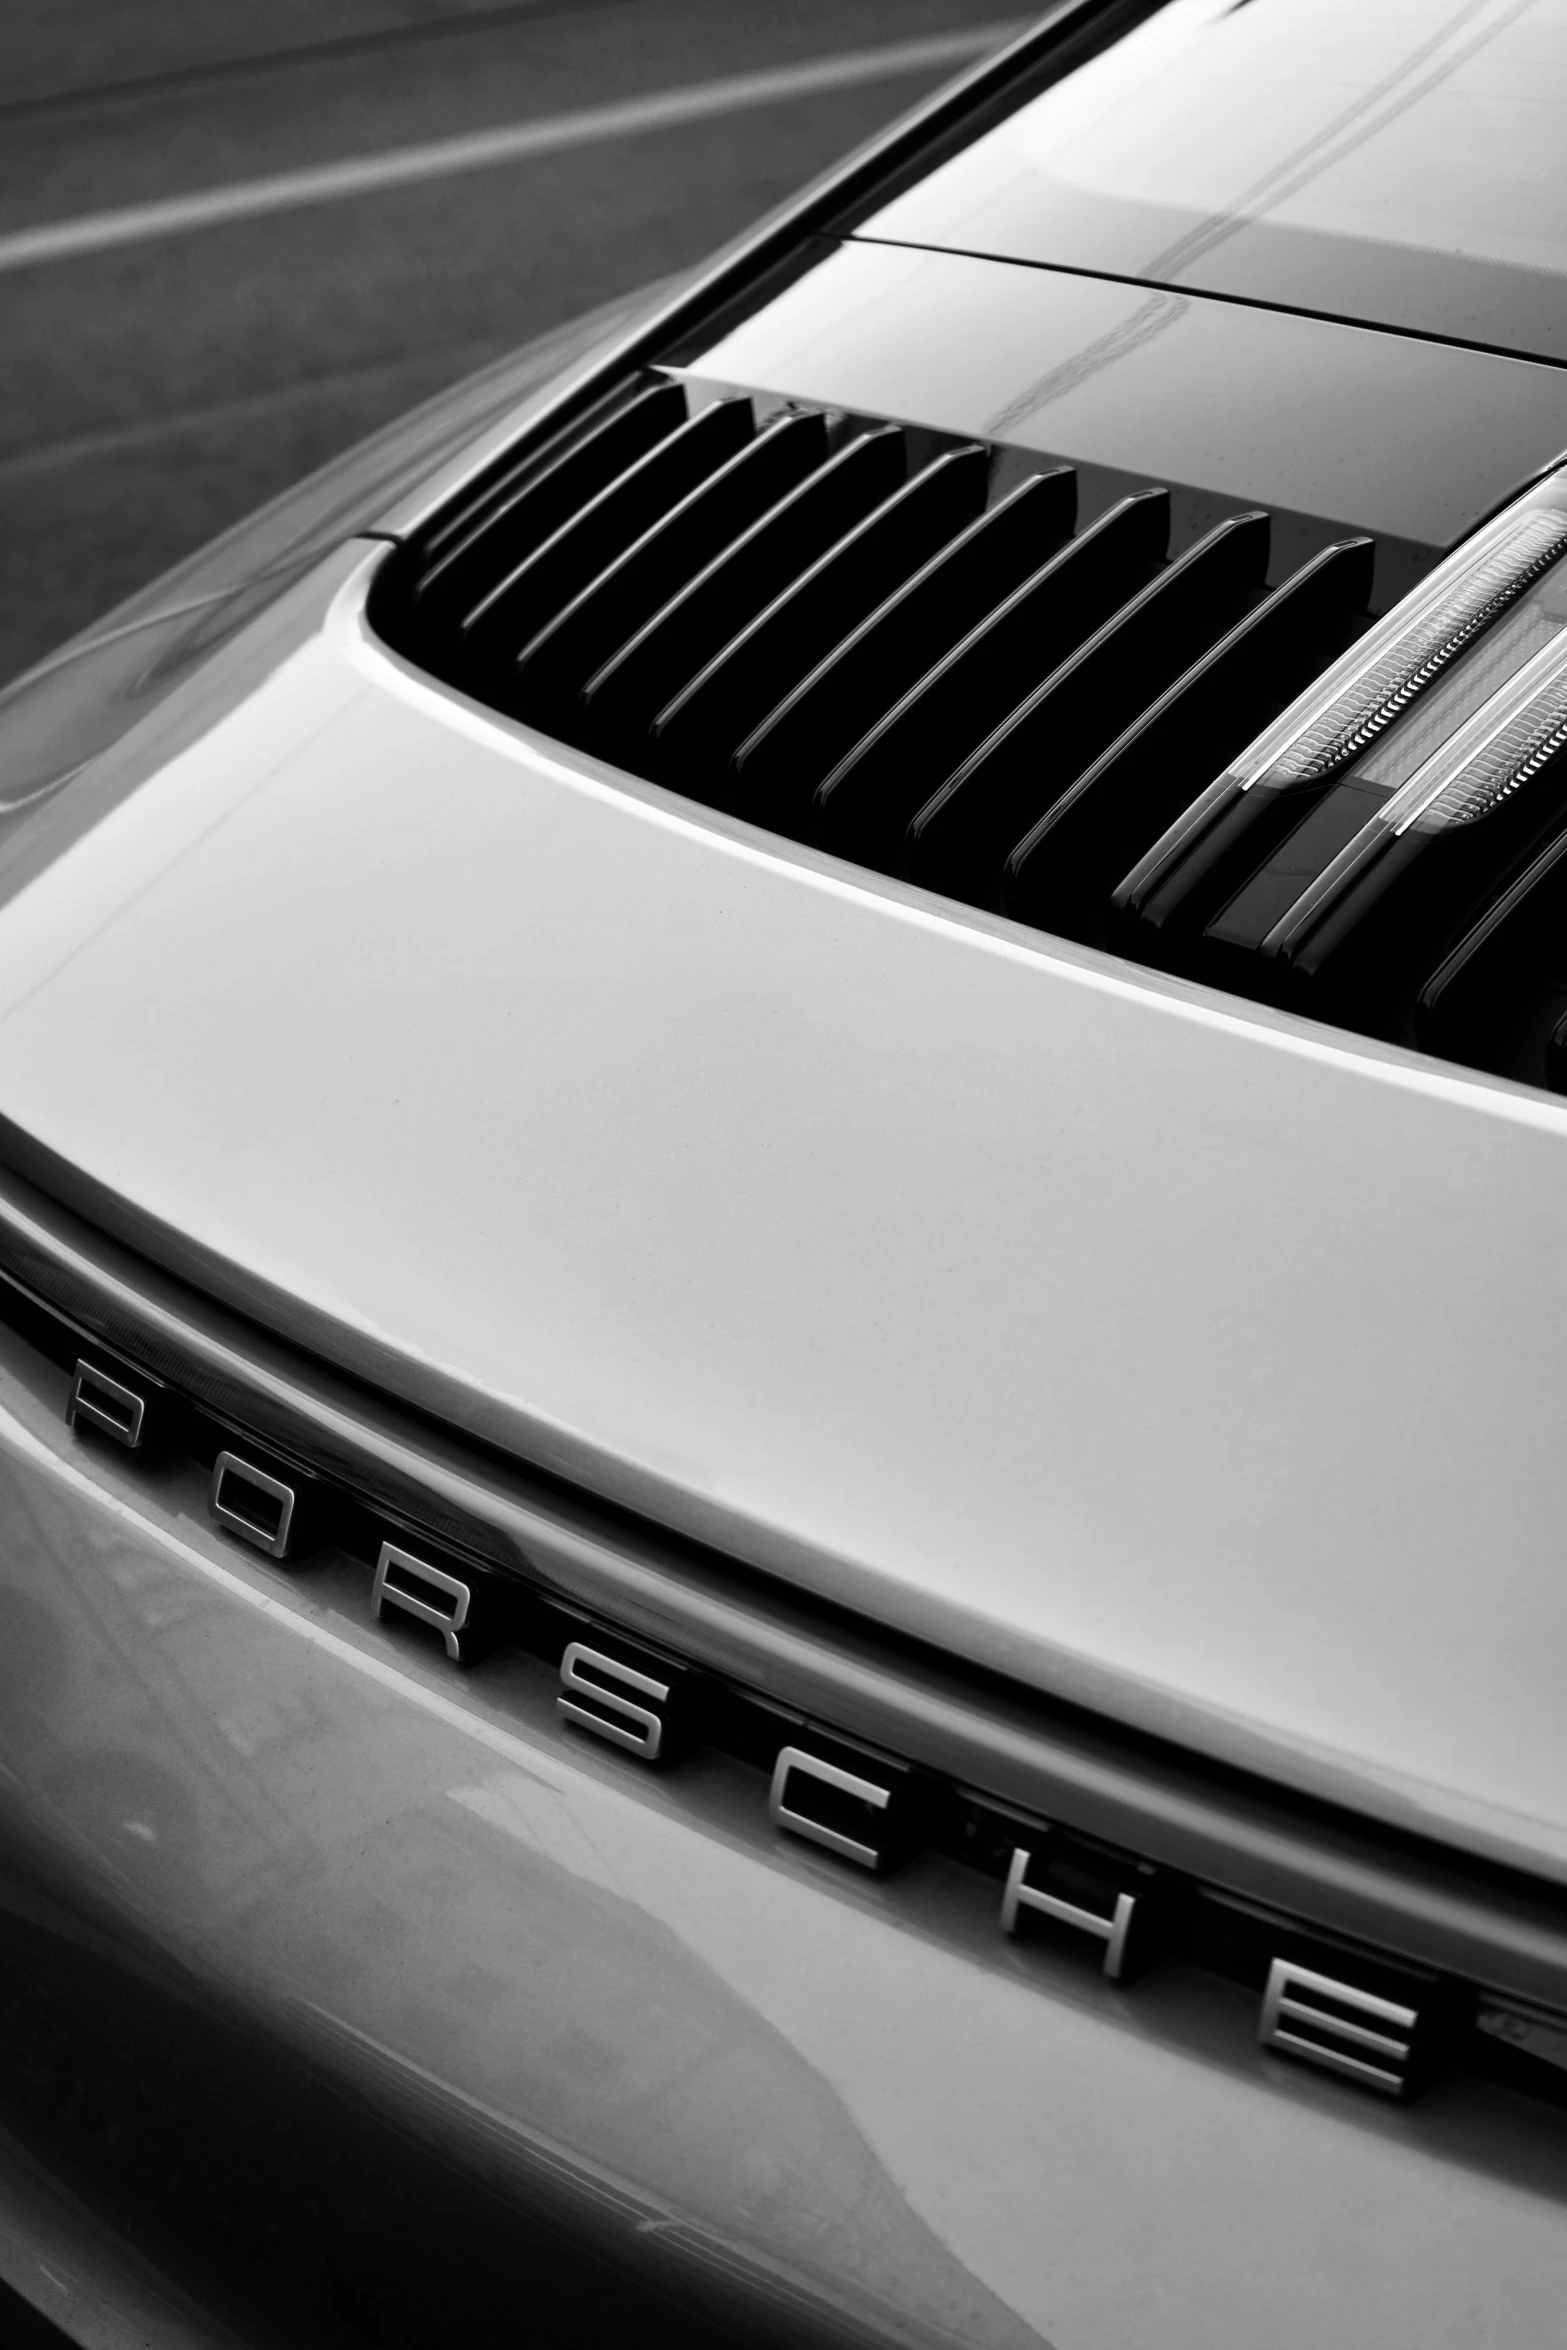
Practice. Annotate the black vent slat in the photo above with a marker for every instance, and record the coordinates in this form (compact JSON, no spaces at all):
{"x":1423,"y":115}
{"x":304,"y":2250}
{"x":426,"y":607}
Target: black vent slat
{"x":1177,"y":886}
{"x":960,"y":839}
{"x":1499,"y":999}
{"x":863,"y":808}
{"x":555,"y":664}
{"x":698,"y":732}
{"x":818,"y":622}
{"x":622,"y":700}
{"x":522,"y":512}
{"x":797,"y":745}
{"x":1061,"y":875}
{"x":1348,"y":916}
{"x":1326,"y":823}
{"x":518,"y":605}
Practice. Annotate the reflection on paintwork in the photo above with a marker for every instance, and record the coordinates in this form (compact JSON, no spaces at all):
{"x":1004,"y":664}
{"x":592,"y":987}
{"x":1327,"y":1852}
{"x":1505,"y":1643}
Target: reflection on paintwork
{"x":1330,"y":422}
{"x":729,"y":2053}
{"x":1394,"y":164}
{"x":499,"y":1042}
{"x":500,"y":1937}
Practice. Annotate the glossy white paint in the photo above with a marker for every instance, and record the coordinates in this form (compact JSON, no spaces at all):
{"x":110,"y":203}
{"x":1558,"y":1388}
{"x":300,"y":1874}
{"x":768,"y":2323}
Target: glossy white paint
{"x":738,"y":2054}
{"x":1191,"y":1361}
{"x":1359,"y":429}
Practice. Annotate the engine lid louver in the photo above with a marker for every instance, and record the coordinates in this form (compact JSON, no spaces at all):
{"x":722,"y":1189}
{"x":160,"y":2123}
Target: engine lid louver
{"x":887,"y":643}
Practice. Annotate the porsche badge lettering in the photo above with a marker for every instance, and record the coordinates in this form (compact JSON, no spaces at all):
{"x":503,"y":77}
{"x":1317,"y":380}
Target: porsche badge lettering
{"x":106,"y":1403}
{"x":1114,"y":1931}
{"x":427,"y":1593}
{"x":253,"y":1504}
{"x":872,"y":1817}
{"x":816,"y":1799}
{"x":1338,"y":2026}
{"x":601,"y":1694}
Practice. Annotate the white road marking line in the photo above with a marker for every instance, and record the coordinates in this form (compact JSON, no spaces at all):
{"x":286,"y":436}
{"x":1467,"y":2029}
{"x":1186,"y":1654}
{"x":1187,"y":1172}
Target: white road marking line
{"x":400,"y":167}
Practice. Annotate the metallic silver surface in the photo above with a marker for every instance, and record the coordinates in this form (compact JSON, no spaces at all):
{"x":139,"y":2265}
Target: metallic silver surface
{"x":110,"y":1405}
{"x":1114,"y":1931}
{"x":585,"y":1700}
{"x":1303,"y":2015}
{"x":797,"y":1763}
{"x":231,"y":1504}
{"x":397,"y":1569}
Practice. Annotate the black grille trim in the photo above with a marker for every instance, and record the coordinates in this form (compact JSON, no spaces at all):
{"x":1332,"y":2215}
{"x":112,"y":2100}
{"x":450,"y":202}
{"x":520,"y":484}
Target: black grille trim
{"x":558,"y":660}
{"x":864,"y":807}
{"x":881,"y":641}
{"x":1061,"y":875}
{"x":530,"y":502}
{"x":696,"y":735}
{"x":860,"y":634}
{"x":966,"y":830}
{"x":623,"y":699}
{"x":1502,"y":988}
{"x":814,"y":728}
{"x":851,"y":631}
{"x":596,"y":535}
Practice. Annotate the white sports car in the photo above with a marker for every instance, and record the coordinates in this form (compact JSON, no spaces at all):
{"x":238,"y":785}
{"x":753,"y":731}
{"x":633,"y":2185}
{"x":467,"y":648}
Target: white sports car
{"x":783,"y":1340}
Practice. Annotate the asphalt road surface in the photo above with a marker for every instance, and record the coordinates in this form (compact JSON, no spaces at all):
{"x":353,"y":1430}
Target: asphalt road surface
{"x":154,"y":390}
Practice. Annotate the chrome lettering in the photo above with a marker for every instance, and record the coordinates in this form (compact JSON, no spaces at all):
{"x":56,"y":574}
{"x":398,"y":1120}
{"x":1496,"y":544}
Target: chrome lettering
{"x":107,"y":1404}
{"x":585,"y":1700}
{"x":1337,"y":2025}
{"x":252,"y":1503}
{"x":1113,"y":1931}
{"x":795,"y":1763}
{"x":450,"y":1621}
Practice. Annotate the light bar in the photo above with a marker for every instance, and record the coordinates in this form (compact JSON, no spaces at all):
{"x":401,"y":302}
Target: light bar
{"x":1358,"y":732}
{"x":1502,"y":747}
{"x":1419,"y":863}
{"x":1377,"y":679}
